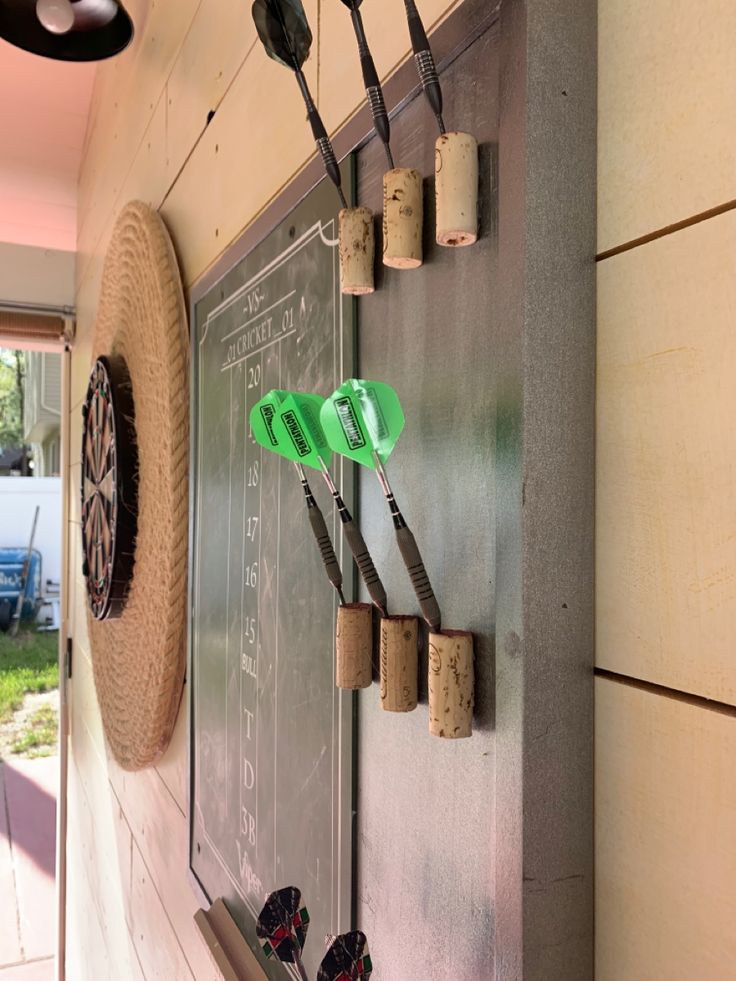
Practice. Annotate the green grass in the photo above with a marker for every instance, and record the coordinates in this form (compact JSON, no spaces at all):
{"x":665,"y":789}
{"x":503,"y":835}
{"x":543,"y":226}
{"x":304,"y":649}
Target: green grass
{"x":39,"y":737}
{"x":28,"y":663}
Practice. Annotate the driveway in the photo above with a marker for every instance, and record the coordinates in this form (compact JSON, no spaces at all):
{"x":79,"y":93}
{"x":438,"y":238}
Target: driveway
{"x":27,"y":868}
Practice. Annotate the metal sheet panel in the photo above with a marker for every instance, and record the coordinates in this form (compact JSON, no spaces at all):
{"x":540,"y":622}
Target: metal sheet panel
{"x":426,"y":811}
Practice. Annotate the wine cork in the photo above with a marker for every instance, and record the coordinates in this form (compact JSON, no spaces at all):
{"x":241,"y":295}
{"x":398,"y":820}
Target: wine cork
{"x":456,"y":189}
{"x":399,"y":664}
{"x":354,"y":646}
{"x":357,"y":251}
{"x":451,"y":682}
{"x":403,"y":212}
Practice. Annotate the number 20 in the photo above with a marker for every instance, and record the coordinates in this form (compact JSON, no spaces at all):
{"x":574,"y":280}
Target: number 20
{"x":254,"y":376}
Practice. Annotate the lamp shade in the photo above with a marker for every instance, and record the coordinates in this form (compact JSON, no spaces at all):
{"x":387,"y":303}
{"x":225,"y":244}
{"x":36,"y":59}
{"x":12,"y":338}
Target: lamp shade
{"x":99,"y":29}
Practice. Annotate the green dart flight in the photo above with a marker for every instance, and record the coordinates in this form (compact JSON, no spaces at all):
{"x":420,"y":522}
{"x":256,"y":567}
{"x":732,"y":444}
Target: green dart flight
{"x":268,"y":431}
{"x":296,"y":433}
{"x":363,"y":420}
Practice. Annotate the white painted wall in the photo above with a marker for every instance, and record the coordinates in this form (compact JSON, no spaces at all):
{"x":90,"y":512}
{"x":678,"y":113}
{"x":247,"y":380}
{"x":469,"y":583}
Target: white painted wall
{"x":35,"y":275}
{"x":18,"y":499}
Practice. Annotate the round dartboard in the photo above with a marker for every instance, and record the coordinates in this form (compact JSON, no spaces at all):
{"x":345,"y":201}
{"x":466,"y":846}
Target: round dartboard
{"x":109,"y":487}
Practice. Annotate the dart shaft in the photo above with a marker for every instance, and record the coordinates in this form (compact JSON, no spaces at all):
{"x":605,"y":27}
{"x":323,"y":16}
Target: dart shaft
{"x":322,"y":536}
{"x":342,"y":509}
{"x":321,"y":138}
{"x":372,"y":85}
{"x":301,"y":970}
{"x":396,"y":514}
{"x":424,"y":59}
{"x":358,"y":547}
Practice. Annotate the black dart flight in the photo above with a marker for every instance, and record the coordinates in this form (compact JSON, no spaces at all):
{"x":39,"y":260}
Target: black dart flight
{"x":282,"y":927}
{"x":347,"y":959}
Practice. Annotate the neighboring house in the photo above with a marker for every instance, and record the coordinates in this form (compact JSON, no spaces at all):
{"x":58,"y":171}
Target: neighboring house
{"x":42,"y":411}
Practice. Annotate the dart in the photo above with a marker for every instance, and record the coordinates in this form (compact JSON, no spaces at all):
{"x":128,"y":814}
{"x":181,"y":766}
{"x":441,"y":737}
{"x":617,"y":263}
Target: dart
{"x":363,"y":420}
{"x":456,"y":154}
{"x":402,"y":188}
{"x":284,"y":32}
{"x":371,"y":82}
{"x":403,"y":208}
{"x":347,"y":959}
{"x":425,"y":62}
{"x":299,"y":415}
{"x":284,"y":436}
{"x":307,"y":444}
{"x":282,"y":927}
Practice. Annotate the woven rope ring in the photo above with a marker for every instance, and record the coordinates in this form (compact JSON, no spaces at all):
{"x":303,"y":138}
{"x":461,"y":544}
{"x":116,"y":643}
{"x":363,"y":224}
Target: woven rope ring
{"x":139,"y":659}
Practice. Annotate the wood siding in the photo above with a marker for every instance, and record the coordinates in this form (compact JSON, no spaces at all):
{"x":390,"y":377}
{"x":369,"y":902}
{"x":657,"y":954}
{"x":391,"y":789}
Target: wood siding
{"x":666,"y":524}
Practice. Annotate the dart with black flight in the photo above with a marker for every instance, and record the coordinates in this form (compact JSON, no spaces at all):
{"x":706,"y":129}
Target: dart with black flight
{"x":284,"y":32}
{"x":456,"y":154}
{"x":304,"y":441}
{"x":403,"y":209}
{"x":282,"y":927}
{"x":354,"y":636}
{"x":347,"y":959}
{"x":363,"y":420}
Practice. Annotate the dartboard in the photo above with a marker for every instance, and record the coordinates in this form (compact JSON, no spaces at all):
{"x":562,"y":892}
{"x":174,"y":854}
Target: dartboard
{"x":109,"y":487}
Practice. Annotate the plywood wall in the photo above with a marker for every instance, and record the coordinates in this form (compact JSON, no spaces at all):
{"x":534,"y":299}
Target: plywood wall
{"x":666,"y":478}
{"x":130,"y":906}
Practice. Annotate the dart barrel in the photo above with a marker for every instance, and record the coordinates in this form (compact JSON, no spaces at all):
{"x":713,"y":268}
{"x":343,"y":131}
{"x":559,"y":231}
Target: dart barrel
{"x":357,"y":251}
{"x":324,"y":542}
{"x":354,"y":646}
{"x":403,"y":216}
{"x":399,"y":660}
{"x":456,"y":189}
{"x":419,"y":579}
{"x":451,"y":684}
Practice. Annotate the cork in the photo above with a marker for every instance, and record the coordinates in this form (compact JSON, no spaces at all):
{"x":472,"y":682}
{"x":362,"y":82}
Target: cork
{"x":456,"y":189}
{"x":399,"y":664}
{"x":354,"y":646}
{"x":451,"y":683}
{"x":357,"y":251}
{"x":403,"y":212}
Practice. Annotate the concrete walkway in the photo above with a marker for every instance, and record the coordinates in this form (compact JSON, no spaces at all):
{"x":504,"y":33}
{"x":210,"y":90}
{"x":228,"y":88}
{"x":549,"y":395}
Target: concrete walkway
{"x":27,"y":868}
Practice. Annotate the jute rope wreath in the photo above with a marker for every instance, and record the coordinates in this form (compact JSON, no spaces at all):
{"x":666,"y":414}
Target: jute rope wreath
{"x":139,"y":658}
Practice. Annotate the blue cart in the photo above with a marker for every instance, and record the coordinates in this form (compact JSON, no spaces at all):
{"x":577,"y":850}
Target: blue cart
{"x":11,"y":577}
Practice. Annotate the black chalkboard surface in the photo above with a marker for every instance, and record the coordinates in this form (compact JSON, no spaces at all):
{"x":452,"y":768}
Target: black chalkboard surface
{"x":270,"y":735}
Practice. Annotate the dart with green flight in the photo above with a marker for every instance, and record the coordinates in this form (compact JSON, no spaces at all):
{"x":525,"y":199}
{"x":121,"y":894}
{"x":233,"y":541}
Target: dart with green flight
{"x":307,"y":445}
{"x":276,"y":422}
{"x":363,"y":420}
{"x":398,"y":658}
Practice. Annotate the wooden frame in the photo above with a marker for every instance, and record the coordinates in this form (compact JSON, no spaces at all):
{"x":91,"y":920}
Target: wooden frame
{"x":232,"y":955}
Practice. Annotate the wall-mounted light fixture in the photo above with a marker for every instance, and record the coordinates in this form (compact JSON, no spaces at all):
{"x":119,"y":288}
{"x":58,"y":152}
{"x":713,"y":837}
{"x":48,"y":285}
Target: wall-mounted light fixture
{"x":66,"y":30}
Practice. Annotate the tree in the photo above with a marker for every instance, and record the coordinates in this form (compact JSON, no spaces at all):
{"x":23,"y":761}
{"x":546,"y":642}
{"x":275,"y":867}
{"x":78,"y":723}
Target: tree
{"x":12,"y":378}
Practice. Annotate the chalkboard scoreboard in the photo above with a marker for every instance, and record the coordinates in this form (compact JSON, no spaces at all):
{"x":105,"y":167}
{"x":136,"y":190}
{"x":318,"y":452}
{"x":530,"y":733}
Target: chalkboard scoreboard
{"x":270,"y":736}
